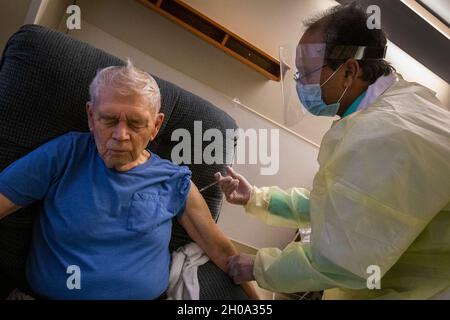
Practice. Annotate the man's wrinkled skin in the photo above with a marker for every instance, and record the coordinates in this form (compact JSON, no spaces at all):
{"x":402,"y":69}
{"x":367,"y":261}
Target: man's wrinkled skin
{"x":122,"y":127}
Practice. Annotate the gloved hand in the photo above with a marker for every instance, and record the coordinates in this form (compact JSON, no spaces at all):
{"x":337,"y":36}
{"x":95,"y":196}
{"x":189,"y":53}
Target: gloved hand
{"x":236,"y":188}
{"x":240,"y":267}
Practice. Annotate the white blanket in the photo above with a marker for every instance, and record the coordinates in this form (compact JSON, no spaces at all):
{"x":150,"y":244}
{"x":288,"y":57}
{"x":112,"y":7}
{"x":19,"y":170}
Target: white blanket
{"x":183,"y":280}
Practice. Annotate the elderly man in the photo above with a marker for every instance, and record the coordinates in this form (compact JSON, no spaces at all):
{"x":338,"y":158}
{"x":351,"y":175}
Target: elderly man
{"x":108,"y":203}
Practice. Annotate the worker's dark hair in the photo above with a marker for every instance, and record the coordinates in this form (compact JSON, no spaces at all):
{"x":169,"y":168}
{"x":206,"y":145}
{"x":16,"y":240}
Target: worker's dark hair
{"x":347,"y":25}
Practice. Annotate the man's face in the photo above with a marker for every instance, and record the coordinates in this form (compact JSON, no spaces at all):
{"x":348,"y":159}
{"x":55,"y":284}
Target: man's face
{"x":122,"y":128}
{"x":334,"y":87}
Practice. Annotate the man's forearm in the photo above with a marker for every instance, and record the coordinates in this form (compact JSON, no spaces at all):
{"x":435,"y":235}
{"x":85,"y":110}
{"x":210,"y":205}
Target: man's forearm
{"x":212,"y":241}
{"x":219,"y":250}
{"x":200,"y":226}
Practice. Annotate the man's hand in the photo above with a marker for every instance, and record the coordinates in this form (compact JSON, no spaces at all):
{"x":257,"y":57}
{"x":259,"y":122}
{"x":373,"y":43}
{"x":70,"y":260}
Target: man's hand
{"x":240,"y":267}
{"x":236,"y":188}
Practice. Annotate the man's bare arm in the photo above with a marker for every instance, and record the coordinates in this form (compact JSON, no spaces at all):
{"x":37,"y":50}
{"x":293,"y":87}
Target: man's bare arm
{"x":6,"y":206}
{"x":200,"y":226}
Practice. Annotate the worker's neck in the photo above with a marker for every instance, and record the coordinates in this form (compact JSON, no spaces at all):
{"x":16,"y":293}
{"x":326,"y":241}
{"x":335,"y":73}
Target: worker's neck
{"x":355,"y":90}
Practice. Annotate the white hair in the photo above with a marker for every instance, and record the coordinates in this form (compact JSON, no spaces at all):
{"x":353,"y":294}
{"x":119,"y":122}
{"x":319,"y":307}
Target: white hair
{"x":127,"y":81}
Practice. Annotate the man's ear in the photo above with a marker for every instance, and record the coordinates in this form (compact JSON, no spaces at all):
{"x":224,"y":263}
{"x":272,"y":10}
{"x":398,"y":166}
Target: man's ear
{"x":158,"y":123}
{"x":352,"y":71}
{"x":90,"y":116}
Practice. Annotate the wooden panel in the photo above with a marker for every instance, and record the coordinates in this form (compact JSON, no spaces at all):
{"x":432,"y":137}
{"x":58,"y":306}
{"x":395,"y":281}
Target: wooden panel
{"x":217,"y":35}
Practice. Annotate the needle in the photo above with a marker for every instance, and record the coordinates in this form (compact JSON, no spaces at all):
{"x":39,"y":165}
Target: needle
{"x":215,"y":182}
{"x":208,"y":186}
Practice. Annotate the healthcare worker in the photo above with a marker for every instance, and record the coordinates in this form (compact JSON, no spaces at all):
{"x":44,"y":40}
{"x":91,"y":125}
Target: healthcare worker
{"x":379,"y":208}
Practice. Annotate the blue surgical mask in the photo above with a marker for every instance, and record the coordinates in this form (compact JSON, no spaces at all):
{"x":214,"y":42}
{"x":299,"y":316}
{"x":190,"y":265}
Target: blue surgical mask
{"x":311,"y":97}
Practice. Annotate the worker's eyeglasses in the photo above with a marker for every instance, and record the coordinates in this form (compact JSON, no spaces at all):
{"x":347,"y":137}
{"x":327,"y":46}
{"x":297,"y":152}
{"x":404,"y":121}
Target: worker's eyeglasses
{"x":299,"y":77}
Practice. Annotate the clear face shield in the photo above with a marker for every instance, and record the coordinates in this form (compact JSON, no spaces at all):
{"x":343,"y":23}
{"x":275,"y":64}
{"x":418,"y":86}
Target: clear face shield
{"x":301,"y":69}
{"x":309,"y":61}
{"x":293,"y":110}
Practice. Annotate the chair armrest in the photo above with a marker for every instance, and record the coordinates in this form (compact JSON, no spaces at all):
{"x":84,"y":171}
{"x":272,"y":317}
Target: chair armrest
{"x":217,"y":285}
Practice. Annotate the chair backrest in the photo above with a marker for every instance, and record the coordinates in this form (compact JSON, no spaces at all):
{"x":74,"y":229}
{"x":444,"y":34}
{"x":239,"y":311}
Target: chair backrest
{"x":44,"y":79}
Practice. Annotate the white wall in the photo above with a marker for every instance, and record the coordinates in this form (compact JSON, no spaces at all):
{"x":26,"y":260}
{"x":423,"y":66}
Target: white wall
{"x":250,"y":18}
{"x":12,"y":16}
{"x":268,"y":24}
{"x":265,"y":23}
{"x":51,"y":12}
{"x":413,"y":70}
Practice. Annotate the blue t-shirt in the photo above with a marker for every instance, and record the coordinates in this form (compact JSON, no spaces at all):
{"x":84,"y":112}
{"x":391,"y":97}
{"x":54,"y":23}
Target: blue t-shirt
{"x":113,"y":226}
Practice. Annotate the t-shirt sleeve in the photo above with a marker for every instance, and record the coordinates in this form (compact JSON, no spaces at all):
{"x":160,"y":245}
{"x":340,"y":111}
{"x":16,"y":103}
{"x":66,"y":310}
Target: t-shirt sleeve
{"x":181,"y":192}
{"x":28,"y":179}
